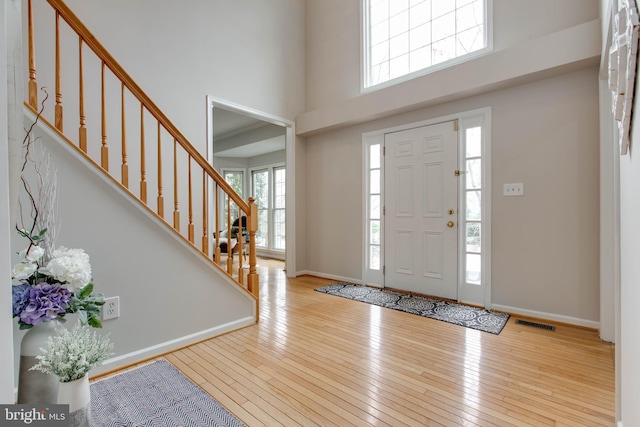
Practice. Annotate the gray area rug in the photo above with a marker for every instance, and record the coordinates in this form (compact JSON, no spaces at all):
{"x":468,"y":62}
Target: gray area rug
{"x":459,"y":314}
{"x":156,"y":394}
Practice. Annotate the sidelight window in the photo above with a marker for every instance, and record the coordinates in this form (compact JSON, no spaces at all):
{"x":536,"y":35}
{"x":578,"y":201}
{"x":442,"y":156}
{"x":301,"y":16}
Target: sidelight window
{"x":473,"y":204}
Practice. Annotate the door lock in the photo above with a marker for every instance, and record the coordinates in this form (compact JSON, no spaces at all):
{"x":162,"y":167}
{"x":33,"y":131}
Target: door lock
{"x":451,"y":211}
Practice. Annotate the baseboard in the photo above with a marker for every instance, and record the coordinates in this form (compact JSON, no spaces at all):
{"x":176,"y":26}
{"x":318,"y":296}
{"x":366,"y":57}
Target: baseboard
{"x":591,"y":324}
{"x":328,"y":276}
{"x":138,"y":356}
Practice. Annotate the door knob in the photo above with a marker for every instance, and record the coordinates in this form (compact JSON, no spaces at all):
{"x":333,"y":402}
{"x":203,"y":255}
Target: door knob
{"x":450,"y":224}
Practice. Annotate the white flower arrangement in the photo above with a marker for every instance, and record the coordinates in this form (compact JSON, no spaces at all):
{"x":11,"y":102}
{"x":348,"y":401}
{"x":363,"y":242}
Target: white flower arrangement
{"x":71,"y":354}
{"x":70,"y":266}
{"x":50,"y":290}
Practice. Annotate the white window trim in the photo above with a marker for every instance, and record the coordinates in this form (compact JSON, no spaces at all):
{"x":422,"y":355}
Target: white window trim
{"x":465,"y":119}
{"x":467,"y":292}
{"x":425,"y":71}
{"x":370,"y":276}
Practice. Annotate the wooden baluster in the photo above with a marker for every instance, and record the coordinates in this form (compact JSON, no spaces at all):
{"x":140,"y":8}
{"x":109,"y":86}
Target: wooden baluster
{"x":217,"y":229}
{"x":33,"y":85}
{"x":205,"y":213}
{"x":190,"y":227}
{"x":125,"y":166}
{"x":58,"y":108}
{"x":160,"y":196}
{"x":176,"y":212}
{"x":83,"y":130}
{"x":240,"y":249}
{"x":229,"y":247}
{"x":104,"y":151}
{"x":252,"y":226}
{"x":143,"y":170}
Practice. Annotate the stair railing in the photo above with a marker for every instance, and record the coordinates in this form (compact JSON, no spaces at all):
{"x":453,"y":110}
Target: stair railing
{"x":209,"y":198}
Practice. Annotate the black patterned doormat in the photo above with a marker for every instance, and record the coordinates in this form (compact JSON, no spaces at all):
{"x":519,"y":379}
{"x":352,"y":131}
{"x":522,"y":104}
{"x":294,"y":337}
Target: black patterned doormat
{"x":458,"y":314}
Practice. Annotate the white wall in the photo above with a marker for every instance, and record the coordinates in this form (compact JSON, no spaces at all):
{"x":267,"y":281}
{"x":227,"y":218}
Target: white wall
{"x":12,"y":129}
{"x":333,"y":39}
{"x":169,"y":295}
{"x":6,"y":354}
{"x":628,"y":343}
{"x":248,"y":52}
{"x":545,"y":133}
{"x":545,"y":244}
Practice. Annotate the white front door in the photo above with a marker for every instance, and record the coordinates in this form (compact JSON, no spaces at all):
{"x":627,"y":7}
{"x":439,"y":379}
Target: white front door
{"x":421,"y":210}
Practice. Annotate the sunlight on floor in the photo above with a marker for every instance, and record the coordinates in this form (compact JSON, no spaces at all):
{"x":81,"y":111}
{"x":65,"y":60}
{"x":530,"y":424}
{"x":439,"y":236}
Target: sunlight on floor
{"x":472,"y":356}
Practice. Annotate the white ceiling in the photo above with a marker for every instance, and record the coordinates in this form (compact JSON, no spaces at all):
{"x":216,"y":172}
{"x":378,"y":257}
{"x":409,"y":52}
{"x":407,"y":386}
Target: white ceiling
{"x":227,"y":124}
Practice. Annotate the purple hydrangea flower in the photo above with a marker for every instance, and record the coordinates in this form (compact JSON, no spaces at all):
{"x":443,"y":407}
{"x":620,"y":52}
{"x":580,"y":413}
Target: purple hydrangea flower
{"x":45,"y":303}
{"x":20,"y":296}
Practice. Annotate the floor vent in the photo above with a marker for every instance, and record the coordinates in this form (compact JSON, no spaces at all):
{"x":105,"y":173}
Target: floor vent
{"x":536,"y":325}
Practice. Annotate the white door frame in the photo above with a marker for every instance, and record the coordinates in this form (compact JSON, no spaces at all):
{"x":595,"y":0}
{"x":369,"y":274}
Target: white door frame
{"x":290,"y":205}
{"x":465,"y":119}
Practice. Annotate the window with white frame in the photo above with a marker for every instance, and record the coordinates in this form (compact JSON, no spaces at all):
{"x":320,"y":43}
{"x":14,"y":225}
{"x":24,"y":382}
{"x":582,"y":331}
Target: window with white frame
{"x":269,"y":190}
{"x":279,"y":216}
{"x":374,"y":214}
{"x":260,"y":185}
{"x":473,"y":204}
{"x":235,"y":178}
{"x":403,"y":37}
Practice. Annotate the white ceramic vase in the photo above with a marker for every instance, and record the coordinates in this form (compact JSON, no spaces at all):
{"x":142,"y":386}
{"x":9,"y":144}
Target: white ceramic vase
{"x":36,"y":386}
{"x":77,"y":395}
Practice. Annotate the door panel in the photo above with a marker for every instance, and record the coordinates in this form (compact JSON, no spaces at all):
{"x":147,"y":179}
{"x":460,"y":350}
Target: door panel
{"x":421,"y":251}
{"x":433,"y":197}
{"x":433,"y":248}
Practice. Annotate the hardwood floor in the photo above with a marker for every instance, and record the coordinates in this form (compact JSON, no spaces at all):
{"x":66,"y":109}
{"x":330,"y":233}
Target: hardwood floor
{"x":317,"y":359}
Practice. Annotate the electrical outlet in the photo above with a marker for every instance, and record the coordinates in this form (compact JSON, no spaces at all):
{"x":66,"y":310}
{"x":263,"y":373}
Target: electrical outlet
{"x":111,"y":308}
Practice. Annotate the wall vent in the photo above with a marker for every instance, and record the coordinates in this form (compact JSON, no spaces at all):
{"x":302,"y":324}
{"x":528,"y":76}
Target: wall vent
{"x":535,"y":325}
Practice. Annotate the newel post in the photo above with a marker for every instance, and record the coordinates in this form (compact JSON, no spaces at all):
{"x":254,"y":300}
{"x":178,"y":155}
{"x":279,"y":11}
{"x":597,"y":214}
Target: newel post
{"x":252,"y":227}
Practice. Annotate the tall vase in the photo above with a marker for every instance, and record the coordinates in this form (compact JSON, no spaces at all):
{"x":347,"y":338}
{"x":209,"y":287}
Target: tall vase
{"x":36,"y":386}
{"x":77,"y":395}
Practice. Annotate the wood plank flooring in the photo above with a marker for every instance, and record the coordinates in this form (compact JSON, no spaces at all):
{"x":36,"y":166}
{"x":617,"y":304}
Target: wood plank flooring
{"x":316,"y":359}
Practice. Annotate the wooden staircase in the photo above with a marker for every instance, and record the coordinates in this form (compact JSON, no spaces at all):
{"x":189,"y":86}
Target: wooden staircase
{"x":108,"y":119}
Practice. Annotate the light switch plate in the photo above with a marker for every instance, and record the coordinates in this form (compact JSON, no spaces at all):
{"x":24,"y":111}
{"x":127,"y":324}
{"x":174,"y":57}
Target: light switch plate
{"x":515,"y":189}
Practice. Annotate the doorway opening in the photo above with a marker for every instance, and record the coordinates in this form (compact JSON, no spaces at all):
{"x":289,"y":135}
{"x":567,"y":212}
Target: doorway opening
{"x":251,"y":150}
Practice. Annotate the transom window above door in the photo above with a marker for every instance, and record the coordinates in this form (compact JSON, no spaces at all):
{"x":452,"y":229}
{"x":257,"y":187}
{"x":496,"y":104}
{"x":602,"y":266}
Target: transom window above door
{"x":406,"y":38}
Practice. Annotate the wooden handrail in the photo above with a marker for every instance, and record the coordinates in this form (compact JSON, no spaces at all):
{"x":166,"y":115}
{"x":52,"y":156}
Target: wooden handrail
{"x":72,"y":20}
{"x":185,"y":156}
